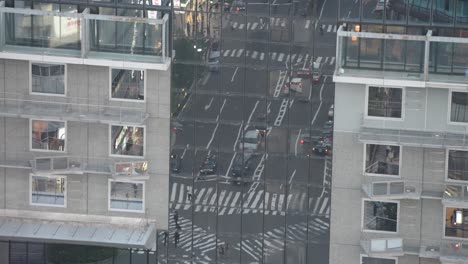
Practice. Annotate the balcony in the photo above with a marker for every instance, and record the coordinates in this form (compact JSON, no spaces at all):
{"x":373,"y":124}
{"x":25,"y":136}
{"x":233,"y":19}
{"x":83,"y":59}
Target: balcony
{"x":455,"y":194}
{"x":401,"y":60}
{"x":84,"y":38}
{"x":376,"y":188}
{"x":117,"y":168}
{"x":382,"y":247}
{"x":70,"y":109}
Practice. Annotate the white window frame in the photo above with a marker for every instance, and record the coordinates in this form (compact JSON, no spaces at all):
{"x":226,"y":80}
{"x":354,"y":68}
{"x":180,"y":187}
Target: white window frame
{"x":128,"y":100}
{"x":127,"y":156}
{"x":109,"y":188}
{"x":65,"y":79}
{"x":403,"y":99}
{"x":449,"y":110}
{"x":367,"y":256}
{"x":445,"y":222}
{"x":47,"y":150}
{"x":447,"y":152}
{"x":31,"y":175}
{"x":377,"y":174}
{"x":380,"y":231}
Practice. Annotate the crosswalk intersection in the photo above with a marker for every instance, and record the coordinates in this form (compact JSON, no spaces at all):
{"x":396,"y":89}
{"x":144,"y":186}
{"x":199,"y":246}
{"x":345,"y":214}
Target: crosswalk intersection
{"x":279,"y":22}
{"x":272,"y":241}
{"x":223,"y":202}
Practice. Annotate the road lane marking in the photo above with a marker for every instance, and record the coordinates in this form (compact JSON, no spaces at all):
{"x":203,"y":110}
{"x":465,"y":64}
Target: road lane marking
{"x":329,"y":28}
{"x":239,"y":53}
{"x":292,"y":176}
{"x":280,"y":57}
{"x":221,"y":110}
{"x":234,"y":75}
{"x":262,"y":56}
{"x":212,"y":136}
{"x":238,"y":136}
{"x":254,"y":55}
{"x":320,"y":105}
{"x":226,"y":52}
{"x":321,"y":12}
{"x":281,"y":112}
{"x":248,"y":26}
{"x":326,"y":60}
{"x":233,"y":53}
{"x":209,"y":104}
{"x":319,"y":59}
{"x":251,"y":114}
{"x":307,"y":24}
{"x":332,"y":60}
{"x":273,"y":56}
{"x":254,"y":26}
{"x":305,"y":61}
{"x":206,"y":79}
{"x":230,"y":165}
{"x":291,"y":103}
{"x":297,"y":140}
{"x":185,"y":150}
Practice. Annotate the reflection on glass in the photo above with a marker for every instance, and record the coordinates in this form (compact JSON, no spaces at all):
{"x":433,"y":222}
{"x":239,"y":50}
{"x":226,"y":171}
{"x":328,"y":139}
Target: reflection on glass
{"x":131,"y":168}
{"x":373,"y":260}
{"x":380,"y":216}
{"x":459,"y":107}
{"x":382,"y":159}
{"x":126,"y":196}
{"x":458,"y":165}
{"x":127,"y":141}
{"x":48,"y":190}
{"x":48,"y":78}
{"x":384,"y":102}
{"x":128,"y":84}
{"x":48,"y":135}
{"x":456,"y":222}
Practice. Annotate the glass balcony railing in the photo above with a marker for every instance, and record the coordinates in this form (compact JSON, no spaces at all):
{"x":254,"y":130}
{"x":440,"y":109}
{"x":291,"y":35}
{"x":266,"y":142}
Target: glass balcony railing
{"x":391,"y":189}
{"x":382,"y":247}
{"x":70,"y":108}
{"x":83,"y":35}
{"x":420,"y":58}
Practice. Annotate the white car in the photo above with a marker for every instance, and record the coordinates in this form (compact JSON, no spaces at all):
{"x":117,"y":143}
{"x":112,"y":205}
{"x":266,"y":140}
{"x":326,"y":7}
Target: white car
{"x":331,"y":112}
{"x":250,"y":141}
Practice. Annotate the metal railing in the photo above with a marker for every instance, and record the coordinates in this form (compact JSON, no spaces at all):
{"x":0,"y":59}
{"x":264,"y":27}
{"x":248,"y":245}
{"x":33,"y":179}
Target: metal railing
{"x":84,"y":35}
{"x":70,"y":108}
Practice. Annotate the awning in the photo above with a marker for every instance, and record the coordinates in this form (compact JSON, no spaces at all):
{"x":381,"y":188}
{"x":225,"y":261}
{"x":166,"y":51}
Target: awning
{"x":142,"y":235}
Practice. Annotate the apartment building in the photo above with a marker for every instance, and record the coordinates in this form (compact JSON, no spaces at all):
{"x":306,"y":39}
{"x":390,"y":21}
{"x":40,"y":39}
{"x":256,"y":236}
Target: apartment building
{"x":84,"y":130}
{"x":399,"y":183}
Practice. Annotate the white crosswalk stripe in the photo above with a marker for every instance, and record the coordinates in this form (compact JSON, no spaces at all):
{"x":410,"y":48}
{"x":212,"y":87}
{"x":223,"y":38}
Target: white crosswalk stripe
{"x":307,"y":24}
{"x":233,"y":53}
{"x":329,"y":28}
{"x":300,"y":59}
{"x":254,"y":55}
{"x":262,"y":56}
{"x":226,"y":52}
{"x":239,"y":53}
{"x":207,"y":198}
{"x":241,"y":26}
{"x":280,"y":57}
{"x":254,"y":26}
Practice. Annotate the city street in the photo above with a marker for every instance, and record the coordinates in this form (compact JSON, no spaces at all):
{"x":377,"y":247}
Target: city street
{"x":280,"y":202}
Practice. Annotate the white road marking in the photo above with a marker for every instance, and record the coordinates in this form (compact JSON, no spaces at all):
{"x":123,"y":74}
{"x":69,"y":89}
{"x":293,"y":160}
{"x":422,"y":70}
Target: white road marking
{"x":254,"y":55}
{"x":234,"y":74}
{"x":206,"y":78}
{"x":254,"y":26}
{"x":238,"y":136}
{"x":332,"y":60}
{"x":239,"y":53}
{"x":273,"y":56}
{"x":185,"y":150}
{"x":221,"y":110}
{"x":233,"y":53}
{"x":297,"y":140}
{"x":226,"y":52}
{"x":209,"y":104}
{"x":307,"y":23}
{"x":329,"y":28}
{"x":292,"y":177}
{"x":305,"y":61}
{"x":251,"y":114}
{"x":318,"y":60}
{"x":320,"y":105}
{"x":335,"y":28}
{"x":262,"y":56}
{"x":241,"y":26}
{"x":280,"y":57}
{"x":326,"y":60}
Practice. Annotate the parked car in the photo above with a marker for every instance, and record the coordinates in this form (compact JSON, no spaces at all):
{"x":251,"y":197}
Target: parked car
{"x":241,"y":166}
{"x":208,"y":165}
{"x":176,"y":163}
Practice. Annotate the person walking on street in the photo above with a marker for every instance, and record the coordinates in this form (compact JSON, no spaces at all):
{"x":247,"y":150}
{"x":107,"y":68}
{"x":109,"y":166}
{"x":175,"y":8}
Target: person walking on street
{"x":176,"y":238}
{"x":176,"y":218}
{"x":166,"y":235}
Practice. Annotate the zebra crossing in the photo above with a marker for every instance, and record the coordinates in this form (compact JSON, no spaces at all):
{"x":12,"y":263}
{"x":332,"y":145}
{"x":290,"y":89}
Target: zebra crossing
{"x":277,"y":56}
{"x":223,"y":202}
{"x":195,"y":239}
{"x":279,"y":22}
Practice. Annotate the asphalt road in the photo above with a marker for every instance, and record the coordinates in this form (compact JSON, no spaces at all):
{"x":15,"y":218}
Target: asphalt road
{"x":281,"y":208}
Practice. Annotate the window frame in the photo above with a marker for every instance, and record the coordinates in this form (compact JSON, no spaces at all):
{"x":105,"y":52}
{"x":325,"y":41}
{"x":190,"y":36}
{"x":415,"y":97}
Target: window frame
{"x":127,"y":156}
{"x":31,"y":92}
{"x":109,"y":188}
{"x":377,"y":174}
{"x":65,"y":196}
{"x":380,"y":231}
{"x":128,"y":100}
{"x":367,"y":256}
{"x":449,"y":110}
{"x":447,"y":153}
{"x":403,"y":100}
{"x":444,"y":226}
{"x":65,"y":150}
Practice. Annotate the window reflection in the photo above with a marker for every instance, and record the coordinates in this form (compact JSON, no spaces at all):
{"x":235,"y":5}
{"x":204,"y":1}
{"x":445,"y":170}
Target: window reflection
{"x":48,"y":135}
{"x":127,"y":141}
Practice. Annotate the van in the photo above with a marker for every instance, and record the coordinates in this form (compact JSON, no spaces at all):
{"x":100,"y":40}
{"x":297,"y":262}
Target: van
{"x":250,"y":141}
{"x":213,"y":60}
{"x":296,"y":85}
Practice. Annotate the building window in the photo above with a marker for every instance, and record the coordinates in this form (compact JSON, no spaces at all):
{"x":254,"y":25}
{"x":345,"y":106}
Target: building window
{"x":457,"y":165}
{"x":385,"y":102}
{"x":126,"y":196}
{"x":456,"y":222}
{"x":127,"y":141}
{"x":128,"y":84}
{"x":48,"y":135}
{"x":380,"y":216}
{"x":131,"y":169}
{"x":373,"y":260}
{"x":48,"y":78}
{"x":459,"y":107}
{"x":382,"y":159}
{"x":48,"y":190}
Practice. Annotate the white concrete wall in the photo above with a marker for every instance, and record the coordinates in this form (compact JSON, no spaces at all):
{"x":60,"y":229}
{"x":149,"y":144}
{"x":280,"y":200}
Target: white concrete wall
{"x":88,"y":193}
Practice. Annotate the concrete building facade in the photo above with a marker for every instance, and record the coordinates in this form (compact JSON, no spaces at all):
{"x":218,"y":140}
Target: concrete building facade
{"x":84,"y":128}
{"x":398,"y":184}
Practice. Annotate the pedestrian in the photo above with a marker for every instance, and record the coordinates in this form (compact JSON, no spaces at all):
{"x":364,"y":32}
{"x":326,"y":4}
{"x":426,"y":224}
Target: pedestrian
{"x":221,"y":249}
{"x":321,"y":30}
{"x":176,"y":238}
{"x":166,"y":235}
{"x":189,"y":196}
{"x":176,"y":217}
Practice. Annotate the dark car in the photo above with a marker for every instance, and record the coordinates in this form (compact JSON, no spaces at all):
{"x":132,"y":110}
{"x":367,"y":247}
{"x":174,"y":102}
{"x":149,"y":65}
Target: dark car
{"x":209,"y":165}
{"x":241,"y":165}
{"x":321,"y":148}
{"x":176,"y":163}
{"x":327,"y":129}
{"x":308,"y":138}
{"x":238,"y":6}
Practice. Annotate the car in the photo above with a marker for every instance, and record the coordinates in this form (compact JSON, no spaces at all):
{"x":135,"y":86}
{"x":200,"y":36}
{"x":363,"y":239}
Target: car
{"x":176,"y":163}
{"x":294,"y":85}
{"x":316,"y":72}
{"x":331,"y":112}
{"x":249,"y":142}
{"x":208,"y":165}
{"x":307,"y":137}
{"x":327,"y":129}
{"x":238,"y":6}
{"x":321,"y":148}
{"x":304,"y":72}
{"x":177,"y":127}
{"x":241,"y":165}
